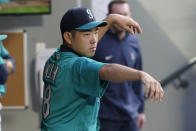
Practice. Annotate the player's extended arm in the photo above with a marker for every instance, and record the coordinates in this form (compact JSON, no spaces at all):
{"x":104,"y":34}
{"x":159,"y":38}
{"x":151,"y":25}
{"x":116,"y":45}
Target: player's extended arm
{"x":120,"y":73}
{"x":124,"y":22}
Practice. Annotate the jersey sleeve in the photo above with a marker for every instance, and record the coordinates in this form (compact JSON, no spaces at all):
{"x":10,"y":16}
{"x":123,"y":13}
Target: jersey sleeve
{"x":4,"y":55}
{"x":86,"y":73}
{"x":3,"y":51}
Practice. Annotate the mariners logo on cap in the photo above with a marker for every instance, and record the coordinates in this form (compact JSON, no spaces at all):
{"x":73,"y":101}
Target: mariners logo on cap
{"x":89,"y":13}
{"x":79,"y":19}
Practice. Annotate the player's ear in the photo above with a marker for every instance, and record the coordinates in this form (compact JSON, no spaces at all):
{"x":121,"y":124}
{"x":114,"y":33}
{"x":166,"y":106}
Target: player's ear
{"x":68,"y":37}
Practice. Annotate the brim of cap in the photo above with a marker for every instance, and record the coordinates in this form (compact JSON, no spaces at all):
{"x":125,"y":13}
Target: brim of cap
{"x":92,"y":25}
{"x":3,"y":37}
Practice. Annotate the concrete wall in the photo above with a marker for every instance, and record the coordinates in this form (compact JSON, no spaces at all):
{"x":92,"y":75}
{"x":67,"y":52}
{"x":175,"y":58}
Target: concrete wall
{"x":167,"y":44}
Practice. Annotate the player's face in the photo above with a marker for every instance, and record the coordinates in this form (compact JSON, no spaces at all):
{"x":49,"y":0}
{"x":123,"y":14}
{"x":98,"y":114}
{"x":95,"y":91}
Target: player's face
{"x":122,"y":9}
{"x":85,"y":42}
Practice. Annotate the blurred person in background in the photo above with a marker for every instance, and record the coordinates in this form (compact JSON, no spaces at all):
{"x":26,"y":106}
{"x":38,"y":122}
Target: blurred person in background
{"x":122,"y":106}
{"x":7,"y":66}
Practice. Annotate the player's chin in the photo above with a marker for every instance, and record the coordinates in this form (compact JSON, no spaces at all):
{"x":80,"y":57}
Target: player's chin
{"x":91,"y":54}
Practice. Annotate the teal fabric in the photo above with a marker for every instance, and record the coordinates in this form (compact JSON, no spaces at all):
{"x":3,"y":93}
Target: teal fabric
{"x":4,"y":1}
{"x":3,"y":52}
{"x":91,"y":25}
{"x":2,"y":89}
{"x":2,"y":61}
{"x":3,"y":37}
{"x":72,"y":93}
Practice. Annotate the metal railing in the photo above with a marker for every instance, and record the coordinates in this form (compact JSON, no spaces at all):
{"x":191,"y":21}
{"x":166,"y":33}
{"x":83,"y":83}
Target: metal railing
{"x":177,"y":74}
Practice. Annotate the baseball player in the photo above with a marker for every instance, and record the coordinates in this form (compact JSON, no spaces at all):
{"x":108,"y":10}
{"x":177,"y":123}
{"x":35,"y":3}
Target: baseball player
{"x":74,"y":83}
{"x":7,"y":66}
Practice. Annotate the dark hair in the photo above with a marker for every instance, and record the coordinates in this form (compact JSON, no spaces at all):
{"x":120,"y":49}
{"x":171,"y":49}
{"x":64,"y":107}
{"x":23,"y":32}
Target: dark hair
{"x":115,"y":2}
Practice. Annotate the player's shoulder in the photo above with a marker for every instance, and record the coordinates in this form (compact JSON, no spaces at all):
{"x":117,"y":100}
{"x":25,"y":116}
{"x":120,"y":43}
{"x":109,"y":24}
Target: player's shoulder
{"x":133,"y":39}
{"x":84,"y":60}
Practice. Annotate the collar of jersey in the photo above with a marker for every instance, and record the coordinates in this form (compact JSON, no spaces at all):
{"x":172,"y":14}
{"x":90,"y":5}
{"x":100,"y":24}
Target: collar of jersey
{"x":64,"y":48}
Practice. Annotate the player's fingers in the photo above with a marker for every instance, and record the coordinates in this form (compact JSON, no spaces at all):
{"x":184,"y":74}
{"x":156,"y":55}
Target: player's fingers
{"x":140,"y":124}
{"x":161,"y":93}
{"x":130,"y":30}
{"x":147,"y":90}
{"x":134,"y":30}
{"x":157,"y":92}
{"x":152,"y":91}
{"x":136,"y":26}
{"x":139,"y":30}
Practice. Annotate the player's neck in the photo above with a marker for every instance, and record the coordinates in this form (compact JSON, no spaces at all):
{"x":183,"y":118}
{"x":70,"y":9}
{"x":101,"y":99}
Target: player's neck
{"x":121,"y":35}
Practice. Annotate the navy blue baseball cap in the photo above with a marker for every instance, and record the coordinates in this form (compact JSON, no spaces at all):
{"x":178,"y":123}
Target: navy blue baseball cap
{"x":79,"y":19}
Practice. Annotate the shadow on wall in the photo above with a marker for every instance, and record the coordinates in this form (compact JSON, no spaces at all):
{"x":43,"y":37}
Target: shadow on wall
{"x":161,"y":57}
{"x":35,"y":93}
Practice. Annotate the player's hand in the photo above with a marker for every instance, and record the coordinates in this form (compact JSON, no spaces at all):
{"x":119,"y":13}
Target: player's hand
{"x":152,"y":86}
{"x":9,"y":66}
{"x":141,"y":120}
{"x":127,"y":24}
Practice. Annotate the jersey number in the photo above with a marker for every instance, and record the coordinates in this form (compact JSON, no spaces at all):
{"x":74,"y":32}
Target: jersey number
{"x":46,"y":101}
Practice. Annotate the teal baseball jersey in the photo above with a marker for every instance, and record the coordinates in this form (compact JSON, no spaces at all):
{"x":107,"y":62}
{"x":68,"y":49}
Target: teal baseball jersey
{"x":3,"y":53}
{"x":72,"y":92}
